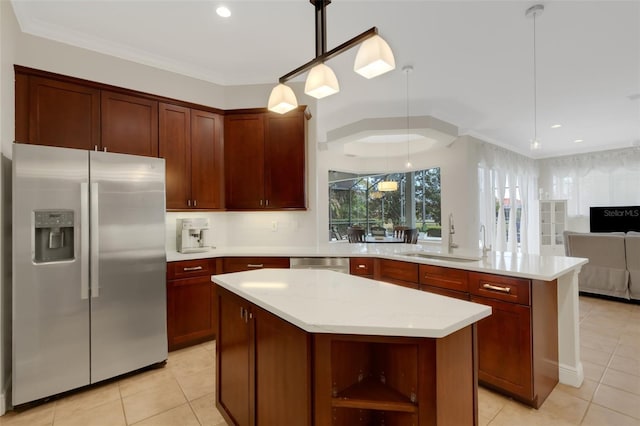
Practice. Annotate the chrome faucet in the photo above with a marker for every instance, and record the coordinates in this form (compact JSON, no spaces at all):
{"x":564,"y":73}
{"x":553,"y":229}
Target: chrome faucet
{"x":452,"y":230}
{"x":485,"y":249}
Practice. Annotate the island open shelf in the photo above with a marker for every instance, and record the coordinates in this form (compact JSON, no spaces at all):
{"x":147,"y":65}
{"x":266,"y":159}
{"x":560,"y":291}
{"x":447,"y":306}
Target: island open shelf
{"x":317,"y":348}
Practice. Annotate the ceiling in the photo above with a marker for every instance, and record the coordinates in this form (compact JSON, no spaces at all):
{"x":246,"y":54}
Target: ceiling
{"x":472,"y":60}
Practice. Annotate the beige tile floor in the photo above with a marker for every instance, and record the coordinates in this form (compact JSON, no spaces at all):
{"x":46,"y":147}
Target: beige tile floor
{"x":182,"y":393}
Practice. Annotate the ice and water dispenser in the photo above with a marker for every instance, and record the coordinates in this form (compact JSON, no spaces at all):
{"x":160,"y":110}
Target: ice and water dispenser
{"x":53,"y":239}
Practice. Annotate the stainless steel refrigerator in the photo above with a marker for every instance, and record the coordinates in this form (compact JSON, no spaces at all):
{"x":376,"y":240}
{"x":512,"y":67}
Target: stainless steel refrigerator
{"x":89,"y":268}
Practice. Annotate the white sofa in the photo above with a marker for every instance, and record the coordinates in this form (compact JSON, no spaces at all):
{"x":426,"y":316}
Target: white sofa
{"x":614,"y":262}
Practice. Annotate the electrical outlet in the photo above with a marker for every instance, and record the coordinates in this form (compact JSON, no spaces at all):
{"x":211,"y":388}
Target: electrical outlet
{"x":274,"y":225}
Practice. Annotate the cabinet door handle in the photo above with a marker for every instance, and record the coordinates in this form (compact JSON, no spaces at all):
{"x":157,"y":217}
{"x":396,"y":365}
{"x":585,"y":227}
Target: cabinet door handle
{"x":192,"y":268}
{"x":267,"y":203}
{"x":195,"y":203}
{"x":255,"y":265}
{"x":188,"y":203}
{"x":362,"y":266}
{"x":497,"y":288}
{"x":260,"y":203}
{"x":241,"y":312}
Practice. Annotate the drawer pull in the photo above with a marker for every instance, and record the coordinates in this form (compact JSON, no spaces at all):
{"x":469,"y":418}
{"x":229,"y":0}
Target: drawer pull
{"x":497,"y":288}
{"x":255,"y":265}
{"x":362,"y":266}
{"x":192,"y":268}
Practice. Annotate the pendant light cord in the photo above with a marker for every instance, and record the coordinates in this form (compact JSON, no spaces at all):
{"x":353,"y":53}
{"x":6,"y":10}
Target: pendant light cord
{"x":407,"y":69}
{"x":407,"y":121}
{"x":535,"y":85}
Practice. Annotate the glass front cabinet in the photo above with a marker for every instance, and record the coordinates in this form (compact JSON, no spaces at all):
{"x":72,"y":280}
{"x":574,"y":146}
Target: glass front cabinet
{"x":553,"y":221}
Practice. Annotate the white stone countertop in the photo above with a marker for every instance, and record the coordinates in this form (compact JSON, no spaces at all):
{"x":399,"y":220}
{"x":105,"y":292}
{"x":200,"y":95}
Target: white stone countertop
{"x":530,"y":266}
{"x":322,"y":301}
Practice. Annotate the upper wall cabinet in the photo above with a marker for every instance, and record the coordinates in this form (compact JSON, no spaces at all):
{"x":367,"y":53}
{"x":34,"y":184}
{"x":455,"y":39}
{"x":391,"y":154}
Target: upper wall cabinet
{"x":62,"y":111}
{"x":265,"y":160}
{"x":191,"y":144}
{"x":56,"y":113}
{"x":129,"y":124}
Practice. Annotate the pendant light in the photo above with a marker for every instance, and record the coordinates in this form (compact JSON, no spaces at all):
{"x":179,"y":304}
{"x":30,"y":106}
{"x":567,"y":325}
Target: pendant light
{"x":282,"y":99}
{"x":534,"y":11}
{"x":321,"y":82}
{"x":407,"y":69}
{"x":373,"y":59}
{"x":387,"y":185}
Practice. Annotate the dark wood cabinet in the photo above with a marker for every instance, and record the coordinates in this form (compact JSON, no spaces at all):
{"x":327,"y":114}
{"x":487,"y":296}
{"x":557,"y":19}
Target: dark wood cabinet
{"x":269,"y":386}
{"x":395,"y":381}
{"x":518,"y":343}
{"x":444,"y":281}
{"x":191,"y":144}
{"x":238,"y":264}
{"x":285,"y":183}
{"x":265,"y":160}
{"x":191,"y":302}
{"x":362,"y":266}
{"x":129,"y":124}
{"x":57,"y":113}
{"x":397,"y":272}
{"x":235,"y":363}
{"x":65,"y":112}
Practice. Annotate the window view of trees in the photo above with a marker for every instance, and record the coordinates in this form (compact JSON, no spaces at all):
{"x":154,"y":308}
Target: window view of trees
{"x":354,"y":199}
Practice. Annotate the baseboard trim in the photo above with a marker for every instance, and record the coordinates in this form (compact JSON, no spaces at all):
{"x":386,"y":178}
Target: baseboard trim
{"x":570,"y":375}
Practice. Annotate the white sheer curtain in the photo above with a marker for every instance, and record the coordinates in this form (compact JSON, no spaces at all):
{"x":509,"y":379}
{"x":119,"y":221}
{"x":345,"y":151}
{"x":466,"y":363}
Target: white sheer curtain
{"x":606,"y":178}
{"x":506,"y":174}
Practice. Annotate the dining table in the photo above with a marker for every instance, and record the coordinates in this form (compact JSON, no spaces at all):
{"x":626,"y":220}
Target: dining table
{"x":381,"y":239}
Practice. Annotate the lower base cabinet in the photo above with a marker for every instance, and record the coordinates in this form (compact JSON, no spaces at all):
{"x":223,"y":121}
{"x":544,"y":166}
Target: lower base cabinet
{"x":263,"y":373}
{"x":271,"y":372}
{"x":190,"y":303}
{"x":518,"y":343}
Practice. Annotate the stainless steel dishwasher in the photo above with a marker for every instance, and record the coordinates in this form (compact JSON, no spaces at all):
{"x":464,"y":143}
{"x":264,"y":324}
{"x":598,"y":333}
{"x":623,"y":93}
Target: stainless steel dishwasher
{"x":339,"y":264}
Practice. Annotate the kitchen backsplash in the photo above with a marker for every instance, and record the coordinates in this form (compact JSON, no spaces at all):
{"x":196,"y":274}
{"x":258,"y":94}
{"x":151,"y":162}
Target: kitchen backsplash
{"x":258,"y":229}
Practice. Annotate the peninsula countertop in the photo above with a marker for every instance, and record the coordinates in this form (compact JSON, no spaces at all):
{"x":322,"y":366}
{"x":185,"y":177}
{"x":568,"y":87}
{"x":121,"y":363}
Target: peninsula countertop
{"x":529,"y":266}
{"x":321,"y":301}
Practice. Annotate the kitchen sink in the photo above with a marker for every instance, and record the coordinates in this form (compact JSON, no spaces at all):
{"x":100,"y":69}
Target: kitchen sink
{"x":437,"y":256}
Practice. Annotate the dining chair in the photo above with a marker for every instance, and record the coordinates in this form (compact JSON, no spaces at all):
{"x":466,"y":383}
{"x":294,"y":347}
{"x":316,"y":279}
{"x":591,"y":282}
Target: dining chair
{"x":410,"y":236}
{"x":398,"y":231}
{"x":355,"y":235}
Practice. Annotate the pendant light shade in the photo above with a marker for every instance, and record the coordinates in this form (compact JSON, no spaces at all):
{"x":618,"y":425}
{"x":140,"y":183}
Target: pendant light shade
{"x":374,"y":58}
{"x":321,"y":82}
{"x":387,"y":185}
{"x":282,"y":99}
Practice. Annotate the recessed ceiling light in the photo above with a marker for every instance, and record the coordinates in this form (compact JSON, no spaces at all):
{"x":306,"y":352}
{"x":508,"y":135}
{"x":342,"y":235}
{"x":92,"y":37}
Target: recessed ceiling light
{"x":578,"y":140}
{"x":223,"y":11}
{"x":556,"y":126}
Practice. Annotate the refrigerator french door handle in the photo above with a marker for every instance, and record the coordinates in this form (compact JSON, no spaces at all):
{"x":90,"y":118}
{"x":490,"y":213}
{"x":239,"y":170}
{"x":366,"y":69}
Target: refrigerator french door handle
{"x":95,"y":242}
{"x":84,"y":240}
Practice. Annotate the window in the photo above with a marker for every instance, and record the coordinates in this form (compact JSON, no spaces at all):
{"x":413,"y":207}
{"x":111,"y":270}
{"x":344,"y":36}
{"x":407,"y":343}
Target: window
{"x":354,"y":199}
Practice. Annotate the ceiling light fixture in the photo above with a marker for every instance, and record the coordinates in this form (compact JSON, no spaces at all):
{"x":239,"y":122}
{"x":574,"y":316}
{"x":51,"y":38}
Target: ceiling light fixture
{"x":578,"y":140}
{"x":223,"y":12}
{"x":556,"y":126}
{"x":534,"y":11}
{"x":373,"y":59}
{"x":407,"y":69}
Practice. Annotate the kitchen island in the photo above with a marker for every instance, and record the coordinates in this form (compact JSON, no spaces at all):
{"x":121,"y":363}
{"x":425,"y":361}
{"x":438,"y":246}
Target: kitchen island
{"x":313,"y":347}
